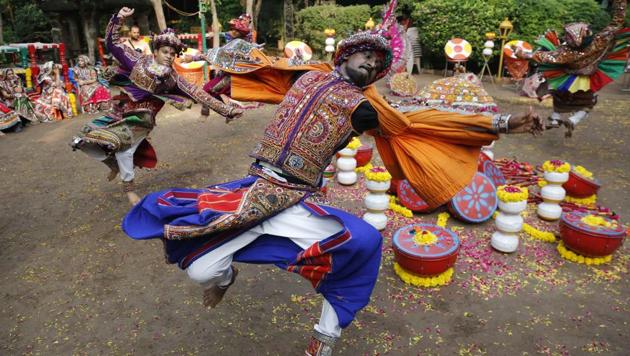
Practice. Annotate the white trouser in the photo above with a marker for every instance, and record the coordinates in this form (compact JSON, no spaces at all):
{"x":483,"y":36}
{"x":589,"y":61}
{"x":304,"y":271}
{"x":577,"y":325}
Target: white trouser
{"x":124,"y":159}
{"x":295,"y":223}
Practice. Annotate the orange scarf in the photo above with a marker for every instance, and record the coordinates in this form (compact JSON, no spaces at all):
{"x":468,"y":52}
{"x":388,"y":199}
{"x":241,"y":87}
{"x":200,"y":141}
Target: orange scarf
{"x":435,"y":151}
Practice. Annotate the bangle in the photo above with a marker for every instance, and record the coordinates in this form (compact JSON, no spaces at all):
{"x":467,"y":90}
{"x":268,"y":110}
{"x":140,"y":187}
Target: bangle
{"x":500,"y":123}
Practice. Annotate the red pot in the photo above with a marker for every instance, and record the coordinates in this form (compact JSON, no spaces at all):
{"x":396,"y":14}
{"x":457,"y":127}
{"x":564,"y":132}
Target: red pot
{"x":586,"y":240}
{"x":425,"y":260}
{"x":364,"y":155}
{"x":580,"y":187}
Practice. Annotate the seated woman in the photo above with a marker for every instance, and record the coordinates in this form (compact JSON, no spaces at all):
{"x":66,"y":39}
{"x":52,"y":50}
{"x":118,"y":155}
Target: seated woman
{"x":53,"y":104}
{"x":9,"y":120}
{"x":93,"y":95}
{"x":13,"y":95}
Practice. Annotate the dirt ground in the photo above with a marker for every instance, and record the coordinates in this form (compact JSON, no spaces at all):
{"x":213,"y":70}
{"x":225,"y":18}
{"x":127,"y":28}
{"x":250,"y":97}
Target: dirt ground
{"x":73,"y":283}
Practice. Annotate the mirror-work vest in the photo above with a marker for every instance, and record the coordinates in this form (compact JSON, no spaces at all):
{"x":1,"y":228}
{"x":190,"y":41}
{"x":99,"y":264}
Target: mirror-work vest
{"x":310,"y":124}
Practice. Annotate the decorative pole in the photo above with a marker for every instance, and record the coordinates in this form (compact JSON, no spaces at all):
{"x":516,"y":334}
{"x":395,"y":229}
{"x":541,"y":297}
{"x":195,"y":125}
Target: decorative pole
{"x":203,"y":8}
{"x":377,"y":182}
{"x":556,"y":174}
{"x":512,"y":201}
{"x":505,"y":28}
{"x":487,"y":54}
{"x":330,"y":42}
{"x":346,"y":163}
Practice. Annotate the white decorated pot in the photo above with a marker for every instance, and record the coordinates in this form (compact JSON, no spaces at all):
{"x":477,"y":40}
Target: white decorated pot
{"x":555,"y":177}
{"x":377,"y":186}
{"x":512,"y":207}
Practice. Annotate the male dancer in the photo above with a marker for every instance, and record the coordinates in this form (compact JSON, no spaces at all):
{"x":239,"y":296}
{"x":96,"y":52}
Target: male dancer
{"x":147,"y":82}
{"x":270,"y":216}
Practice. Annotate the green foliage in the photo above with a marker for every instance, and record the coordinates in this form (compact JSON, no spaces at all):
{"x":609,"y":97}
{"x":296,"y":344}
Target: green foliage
{"x":345,"y":20}
{"x":440,"y":20}
{"x":30,"y":24}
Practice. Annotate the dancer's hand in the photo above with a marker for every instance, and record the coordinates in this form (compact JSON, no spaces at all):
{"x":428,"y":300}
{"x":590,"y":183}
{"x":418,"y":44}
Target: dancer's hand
{"x":125,"y":12}
{"x":530,"y":122}
{"x":186,"y":58}
{"x":234,"y":113}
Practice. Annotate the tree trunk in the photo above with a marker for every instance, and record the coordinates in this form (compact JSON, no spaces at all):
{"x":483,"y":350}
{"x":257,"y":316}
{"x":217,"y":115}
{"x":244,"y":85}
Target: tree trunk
{"x":249,"y":7}
{"x":1,"y":30}
{"x":288,"y":21}
{"x":215,"y":24}
{"x":256,"y":13}
{"x":88,"y":23}
{"x":159,"y":13}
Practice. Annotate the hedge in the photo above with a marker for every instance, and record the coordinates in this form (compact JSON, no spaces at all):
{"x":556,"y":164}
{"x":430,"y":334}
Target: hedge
{"x":312,"y":21}
{"x":440,"y":20}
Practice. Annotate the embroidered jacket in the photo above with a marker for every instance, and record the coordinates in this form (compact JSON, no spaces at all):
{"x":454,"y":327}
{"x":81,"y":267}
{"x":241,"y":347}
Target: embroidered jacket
{"x":310,"y":125}
{"x":146,"y":82}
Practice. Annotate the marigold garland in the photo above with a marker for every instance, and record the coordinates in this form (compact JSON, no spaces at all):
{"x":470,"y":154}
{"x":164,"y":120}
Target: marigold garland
{"x":556,"y":166}
{"x":536,"y":234}
{"x":423,"y":237}
{"x":354,"y":144}
{"x":511,"y":193}
{"x":364,"y":169}
{"x":442,"y":219}
{"x":426,"y":282}
{"x":399,"y":209}
{"x":574,"y":257}
{"x":378,"y":174}
{"x":583,"y":172}
{"x":597,"y":221}
{"x":588,"y":201}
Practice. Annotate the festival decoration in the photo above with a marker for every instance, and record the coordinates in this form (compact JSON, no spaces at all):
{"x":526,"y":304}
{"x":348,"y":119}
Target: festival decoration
{"x":346,"y":163}
{"x":512,"y":201}
{"x":399,"y":209}
{"x":556,"y":173}
{"x":517,"y":67}
{"x":377,"y":182}
{"x":364,"y":155}
{"x":591,"y":235}
{"x":298,"y":49}
{"x":409,"y":198}
{"x":581,"y":183}
{"x":505,"y":28}
{"x":476,"y":202}
{"x":330,"y":40}
{"x":490,"y":170}
{"x":486,"y":53}
{"x":545,"y":236}
{"x":574,"y":257}
{"x":425,"y":254}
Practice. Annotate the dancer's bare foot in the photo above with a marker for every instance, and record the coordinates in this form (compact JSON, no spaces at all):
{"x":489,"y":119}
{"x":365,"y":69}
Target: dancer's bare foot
{"x":113,"y":172}
{"x":133,"y":198}
{"x":212,"y":296}
{"x":570,"y":127}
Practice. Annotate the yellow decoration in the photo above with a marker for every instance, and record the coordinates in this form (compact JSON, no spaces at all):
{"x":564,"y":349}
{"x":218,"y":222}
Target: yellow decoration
{"x":597,"y":221}
{"x":29,"y":77}
{"x":536,"y":234}
{"x":424,"y":237}
{"x":574,"y":257}
{"x":364,"y":169}
{"x":583,"y":172}
{"x":442,"y":219}
{"x":542,"y":183}
{"x":420,"y":281}
{"x":354,"y":143}
{"x":588,"y":201}
{"x":556,"y":166}
{"x":73,"y":103}
{"x":399,"y":209}
{"x":511,"y":193}
{"x":378,"y":174}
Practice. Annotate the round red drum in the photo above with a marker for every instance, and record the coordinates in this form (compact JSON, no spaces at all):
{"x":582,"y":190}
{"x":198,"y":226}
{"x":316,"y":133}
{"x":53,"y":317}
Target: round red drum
{"x":588,"y":240}
{"x":409,"y":198}
{"x":329,"y":172}
{"x":476,"y":202}
{"x":490,"y":170}
{"x":421,"y":258}
{"x":580,"y":187}
{"x":482,"y":158}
